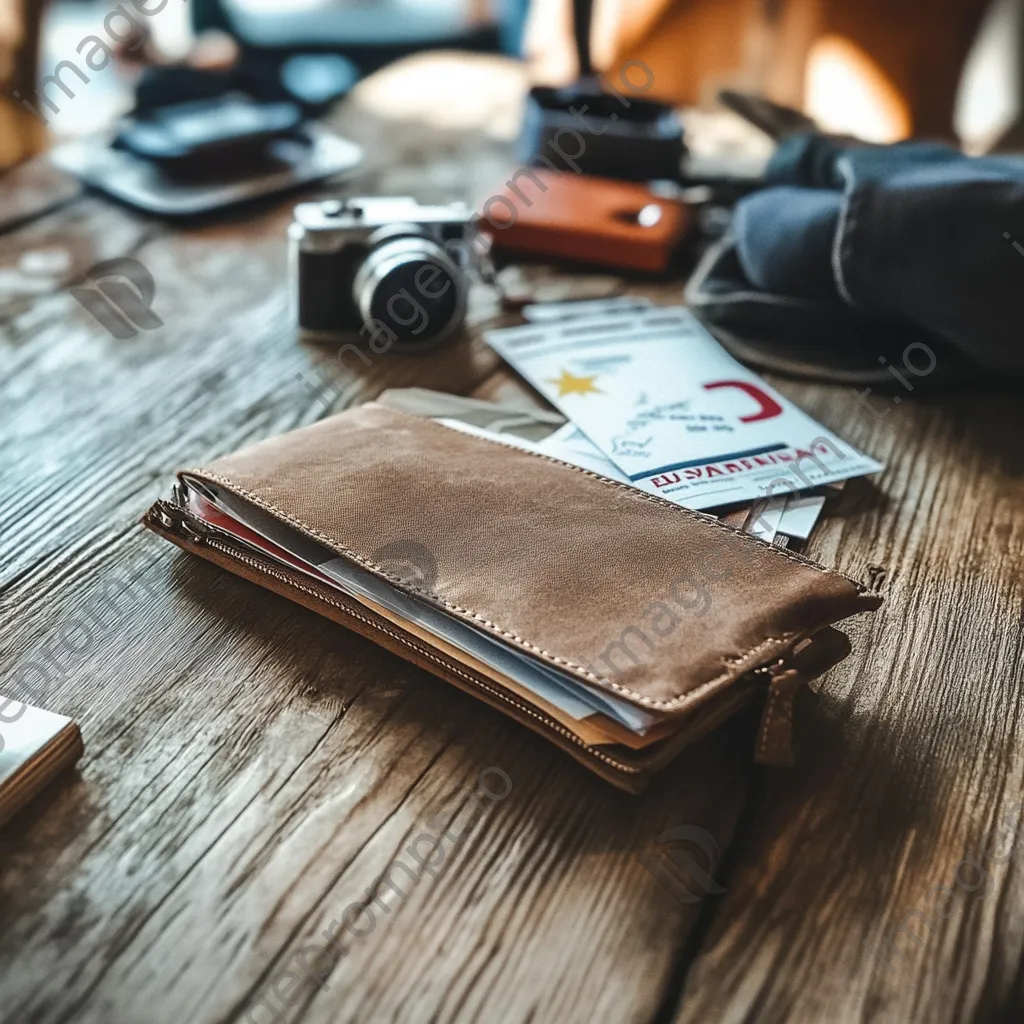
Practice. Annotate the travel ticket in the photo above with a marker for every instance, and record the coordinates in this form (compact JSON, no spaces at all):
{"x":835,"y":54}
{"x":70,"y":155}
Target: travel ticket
{"x":675,"y":412}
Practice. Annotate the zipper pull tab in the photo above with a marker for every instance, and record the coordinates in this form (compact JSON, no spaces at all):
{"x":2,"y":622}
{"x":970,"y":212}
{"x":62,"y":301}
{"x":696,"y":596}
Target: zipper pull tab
{"x":172,"y":519}
{"x":775,"y":736}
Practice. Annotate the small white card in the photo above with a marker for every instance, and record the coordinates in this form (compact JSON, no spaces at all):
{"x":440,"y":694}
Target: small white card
{"x":801,"y":514}
{"x":553,"y":312}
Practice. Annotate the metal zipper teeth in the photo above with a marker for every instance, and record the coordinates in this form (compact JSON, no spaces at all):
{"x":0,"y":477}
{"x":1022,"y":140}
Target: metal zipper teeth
{"x":203,"y":534}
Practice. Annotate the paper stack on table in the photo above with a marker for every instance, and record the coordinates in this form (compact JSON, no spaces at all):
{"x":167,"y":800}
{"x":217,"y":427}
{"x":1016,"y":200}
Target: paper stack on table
{"x":655,"y":402}
{"x":35,"y":747}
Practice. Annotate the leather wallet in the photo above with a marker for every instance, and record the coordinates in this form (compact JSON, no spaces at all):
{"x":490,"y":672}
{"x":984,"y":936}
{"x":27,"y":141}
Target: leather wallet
{"x":614,"y":623}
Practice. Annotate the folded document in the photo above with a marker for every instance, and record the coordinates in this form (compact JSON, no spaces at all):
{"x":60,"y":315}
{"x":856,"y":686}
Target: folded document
{"x":657,"y":395}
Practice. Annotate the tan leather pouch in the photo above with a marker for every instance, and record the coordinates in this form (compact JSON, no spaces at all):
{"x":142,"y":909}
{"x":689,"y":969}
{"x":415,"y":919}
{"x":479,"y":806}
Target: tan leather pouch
{"x":665,"y":608}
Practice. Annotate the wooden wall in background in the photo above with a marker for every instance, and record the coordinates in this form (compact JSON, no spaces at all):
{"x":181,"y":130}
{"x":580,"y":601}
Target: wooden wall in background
{"x":919,"y":45}
{"x":695,"y":46}
{"x":21,"y":135}
{"x":692,"y":46}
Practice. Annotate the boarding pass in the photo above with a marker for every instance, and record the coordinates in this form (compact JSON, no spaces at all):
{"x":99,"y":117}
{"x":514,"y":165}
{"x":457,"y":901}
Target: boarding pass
{"x":674,"y":411}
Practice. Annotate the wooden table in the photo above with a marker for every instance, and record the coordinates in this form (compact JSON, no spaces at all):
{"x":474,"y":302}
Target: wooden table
{"x":251,"y":769}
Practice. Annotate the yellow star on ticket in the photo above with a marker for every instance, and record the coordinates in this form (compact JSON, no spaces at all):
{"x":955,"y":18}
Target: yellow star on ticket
{"x":570,"y":385}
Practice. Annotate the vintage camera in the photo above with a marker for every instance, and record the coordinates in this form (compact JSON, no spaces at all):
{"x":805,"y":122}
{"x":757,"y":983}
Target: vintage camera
{"x":386,"y":269}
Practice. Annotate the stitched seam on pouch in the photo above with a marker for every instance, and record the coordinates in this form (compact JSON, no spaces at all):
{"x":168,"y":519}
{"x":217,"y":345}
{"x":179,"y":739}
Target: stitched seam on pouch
{"x":431,"y":656}
{"x":678,"y":700}
{"x":633,"y":492}
{"x":675,"y":701}
{"x":769,"y":715}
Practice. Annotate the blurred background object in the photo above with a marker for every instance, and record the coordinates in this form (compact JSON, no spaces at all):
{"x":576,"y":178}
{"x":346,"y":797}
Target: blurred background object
{"x":372,"y":32}
{"x":878,"y":69}
{"x":889,"y":68}
{"x":21,"y":135}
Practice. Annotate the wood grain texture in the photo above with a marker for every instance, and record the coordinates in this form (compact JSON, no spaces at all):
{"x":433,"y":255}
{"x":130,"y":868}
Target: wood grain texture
{"x":251,"y":769}
{"x":911,"y":754}
{"x":31,"y":189}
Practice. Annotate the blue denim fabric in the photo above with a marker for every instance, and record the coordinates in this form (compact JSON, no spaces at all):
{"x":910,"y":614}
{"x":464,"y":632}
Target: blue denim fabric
{"x":874,"y":248}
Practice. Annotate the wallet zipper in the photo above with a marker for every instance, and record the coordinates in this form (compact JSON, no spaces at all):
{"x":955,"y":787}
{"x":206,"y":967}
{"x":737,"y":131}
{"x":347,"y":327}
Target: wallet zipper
{"x":773,"y":734}
{"x":175,"y":519}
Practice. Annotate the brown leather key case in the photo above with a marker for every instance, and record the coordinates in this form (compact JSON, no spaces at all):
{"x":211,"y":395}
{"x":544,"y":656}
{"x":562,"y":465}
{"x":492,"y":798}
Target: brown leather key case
{"x":616,"y":624}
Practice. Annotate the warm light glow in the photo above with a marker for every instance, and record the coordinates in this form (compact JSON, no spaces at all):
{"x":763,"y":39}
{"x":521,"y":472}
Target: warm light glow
{"x":846,"y":92}
{"x":988,"y":101}
{"x":449,"y":90}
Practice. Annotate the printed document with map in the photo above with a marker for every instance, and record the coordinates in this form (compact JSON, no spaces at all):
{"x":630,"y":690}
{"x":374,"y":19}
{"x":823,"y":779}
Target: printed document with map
{"x":673,"y":412}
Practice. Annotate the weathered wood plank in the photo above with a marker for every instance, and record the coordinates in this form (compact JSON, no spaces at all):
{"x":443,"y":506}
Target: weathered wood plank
{"x":250,"y":769}
{"x":911,"y":754}
{"x":32,"y":189}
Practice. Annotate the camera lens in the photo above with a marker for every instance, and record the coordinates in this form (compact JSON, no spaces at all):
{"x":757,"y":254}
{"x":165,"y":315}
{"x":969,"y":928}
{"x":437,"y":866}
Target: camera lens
{"x":411,"y":287}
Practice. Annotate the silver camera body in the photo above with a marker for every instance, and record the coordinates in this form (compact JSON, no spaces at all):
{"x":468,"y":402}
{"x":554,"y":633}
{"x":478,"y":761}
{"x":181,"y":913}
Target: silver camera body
{"x":385,"y":268}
